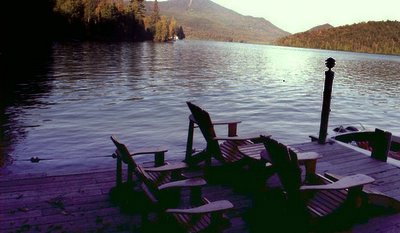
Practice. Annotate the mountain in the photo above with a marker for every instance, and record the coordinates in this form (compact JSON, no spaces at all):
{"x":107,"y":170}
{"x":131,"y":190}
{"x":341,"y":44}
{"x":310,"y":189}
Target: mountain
{"x":381,"y":37}
{"x":206,"y":20}
{"x":321,"y":27}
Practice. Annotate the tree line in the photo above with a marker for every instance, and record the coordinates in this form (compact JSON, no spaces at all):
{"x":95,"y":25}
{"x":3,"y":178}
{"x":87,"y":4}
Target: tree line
{"x":381,"y":37}
{"x":28,"y":28}
{"x":113,"y":20}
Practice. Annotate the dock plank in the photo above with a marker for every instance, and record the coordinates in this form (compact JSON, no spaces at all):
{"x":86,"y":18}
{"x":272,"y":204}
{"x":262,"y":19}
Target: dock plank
{"x":342,"y":160}
{"x":81,"y":202}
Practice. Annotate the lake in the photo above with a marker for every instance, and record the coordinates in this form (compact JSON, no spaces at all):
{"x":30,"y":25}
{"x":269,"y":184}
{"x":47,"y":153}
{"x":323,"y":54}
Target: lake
{"x":137,"y":91}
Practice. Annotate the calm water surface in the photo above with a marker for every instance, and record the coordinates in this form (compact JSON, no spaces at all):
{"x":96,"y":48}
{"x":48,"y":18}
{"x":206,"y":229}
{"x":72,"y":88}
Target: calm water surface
{"x":138,"y":92}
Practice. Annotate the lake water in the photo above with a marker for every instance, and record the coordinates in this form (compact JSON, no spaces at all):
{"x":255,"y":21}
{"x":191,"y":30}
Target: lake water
{"x":138,"y":91}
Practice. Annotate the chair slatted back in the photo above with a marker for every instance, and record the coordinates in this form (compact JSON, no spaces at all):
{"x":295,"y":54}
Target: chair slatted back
{"x":287,"y":167}
{"x":123,"y":152}
{"x":321,"y":202}
{"x":152,"y":178}
{"x":206,"y":126}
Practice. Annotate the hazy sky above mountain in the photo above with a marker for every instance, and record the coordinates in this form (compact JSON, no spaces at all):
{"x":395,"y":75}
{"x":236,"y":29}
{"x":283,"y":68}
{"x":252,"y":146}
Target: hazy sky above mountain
{"x":297,"y":16}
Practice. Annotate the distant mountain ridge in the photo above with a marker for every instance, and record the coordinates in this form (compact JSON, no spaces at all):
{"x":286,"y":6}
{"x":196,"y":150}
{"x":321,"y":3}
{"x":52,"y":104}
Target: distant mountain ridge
{"x":206,"y":20}
{"x":381,"y":37}
{"x":321,"y":27}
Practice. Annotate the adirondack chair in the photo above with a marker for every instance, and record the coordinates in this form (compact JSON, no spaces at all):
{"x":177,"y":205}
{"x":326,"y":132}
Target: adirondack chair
{"x":123,"y":191}
{"x":196,"y":215}
{"x":317,"y":201}
{"x":122,"y":154}
{"x":227,"y":152}
{"x":162,"y":187}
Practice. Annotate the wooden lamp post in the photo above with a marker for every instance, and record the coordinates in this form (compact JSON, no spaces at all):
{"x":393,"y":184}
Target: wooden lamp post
{"x":326,"y":104}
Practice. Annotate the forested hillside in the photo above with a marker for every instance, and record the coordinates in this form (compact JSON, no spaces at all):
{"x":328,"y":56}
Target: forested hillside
{"x":206,"y":20}
{"x":381,"y":37}
{"x":321,"y":27}
{"x":100,"y":20}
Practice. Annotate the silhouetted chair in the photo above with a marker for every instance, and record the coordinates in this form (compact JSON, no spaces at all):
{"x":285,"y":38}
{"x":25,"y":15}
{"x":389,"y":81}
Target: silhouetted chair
{"x":123,"y":191}
{"x":321,"y":199}
{"x":195,"y":215}
{"x":122,"y":154}
{"x":162,"y":186}
{"x":227,"y":152}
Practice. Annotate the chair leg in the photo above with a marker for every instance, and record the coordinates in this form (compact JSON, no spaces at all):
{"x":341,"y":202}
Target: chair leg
{"x":119,"y":172}
{"x":130,"y":175}
{"x":311,"y":167}
{"x":355,"y":197}
{"x":195,"y":196}
{"x":208,"y":160}
{"x":218,"y":222}
{"x":145,"y":218}
{"x":159,"y":159}
{"x":189,"y":143}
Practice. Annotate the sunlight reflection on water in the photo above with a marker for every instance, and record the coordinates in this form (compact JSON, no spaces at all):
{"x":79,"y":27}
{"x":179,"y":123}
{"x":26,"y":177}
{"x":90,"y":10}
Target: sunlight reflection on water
{"x":138,"y":92}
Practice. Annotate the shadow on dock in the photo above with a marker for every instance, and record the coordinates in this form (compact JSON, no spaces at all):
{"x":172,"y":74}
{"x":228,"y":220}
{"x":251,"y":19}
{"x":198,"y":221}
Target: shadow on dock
{"x":82,"y":203}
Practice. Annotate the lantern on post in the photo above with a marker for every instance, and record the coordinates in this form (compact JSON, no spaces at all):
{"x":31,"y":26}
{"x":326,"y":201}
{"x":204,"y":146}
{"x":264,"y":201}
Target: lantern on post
{"x":326,"y":104}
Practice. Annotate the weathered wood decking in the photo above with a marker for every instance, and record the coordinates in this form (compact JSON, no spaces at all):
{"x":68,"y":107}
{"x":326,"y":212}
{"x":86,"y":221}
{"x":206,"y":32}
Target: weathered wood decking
{"x":344,"y":160}
{"x":81,"y":202}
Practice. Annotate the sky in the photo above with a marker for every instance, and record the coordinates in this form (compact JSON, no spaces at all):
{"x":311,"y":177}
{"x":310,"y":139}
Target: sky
{"x":300,"y":15}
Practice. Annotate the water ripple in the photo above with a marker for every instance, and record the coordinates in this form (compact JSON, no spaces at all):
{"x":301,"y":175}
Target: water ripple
{"x":138,"y":92}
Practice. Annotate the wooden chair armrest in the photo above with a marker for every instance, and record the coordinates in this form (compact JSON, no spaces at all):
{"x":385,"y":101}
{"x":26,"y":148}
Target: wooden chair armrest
{"x":344,"y":183}
{"x":304,"y":156}
{"x":216,"y":206}
{"x":309,"y":160}
{"x":167,"y":167}
{"x":239,"y":138}
{"x":334,"y":177}
{"x":194,"y":182}
{"x":226,"y":122}
{"x":232,"y":125}
{"x":154,"y":150}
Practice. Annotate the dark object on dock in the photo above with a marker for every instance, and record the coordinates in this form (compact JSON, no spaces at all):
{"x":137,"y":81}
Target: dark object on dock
{"x":326,"y":105}
{"x":379,"y":142}
{"x":226,"y":152}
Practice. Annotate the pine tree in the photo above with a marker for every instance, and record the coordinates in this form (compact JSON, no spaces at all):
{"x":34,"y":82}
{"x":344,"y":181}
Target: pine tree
{"x":155,"y":16}
{"x":89,"y":12}
{"x":72,"y":9}
{"x":172,"y":28}
{"x":180,"y":33}
{"x":161,"y":34}
{"x":107,"y":11}
{"x":138,"y":8}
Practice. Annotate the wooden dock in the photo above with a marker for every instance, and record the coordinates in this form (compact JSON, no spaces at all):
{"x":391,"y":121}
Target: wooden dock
{"x":81,"y":202}
{"x":340,"y":159}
